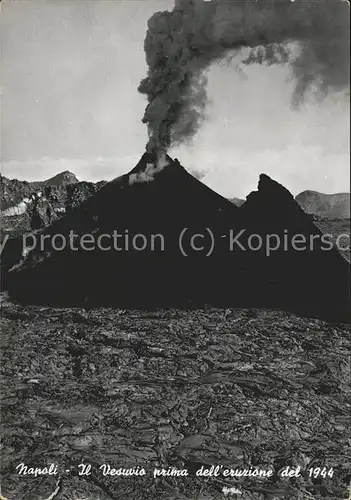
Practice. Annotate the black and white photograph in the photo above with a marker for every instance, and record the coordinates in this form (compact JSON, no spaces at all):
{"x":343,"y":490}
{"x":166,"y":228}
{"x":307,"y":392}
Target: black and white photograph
{"x":175,"y":250}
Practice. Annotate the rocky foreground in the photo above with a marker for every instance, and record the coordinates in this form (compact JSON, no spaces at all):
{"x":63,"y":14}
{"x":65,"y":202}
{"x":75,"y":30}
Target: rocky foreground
{"x":173,"y":389}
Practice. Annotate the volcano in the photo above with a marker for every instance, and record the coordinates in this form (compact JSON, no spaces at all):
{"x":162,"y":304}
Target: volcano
{"x":154,"y":206}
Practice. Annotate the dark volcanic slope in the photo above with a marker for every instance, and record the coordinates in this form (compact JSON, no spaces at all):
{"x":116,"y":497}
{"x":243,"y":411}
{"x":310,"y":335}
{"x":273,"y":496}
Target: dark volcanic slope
{"x":331,"y":206}
{"x":172,"y":201}
{"x":166,"y":202}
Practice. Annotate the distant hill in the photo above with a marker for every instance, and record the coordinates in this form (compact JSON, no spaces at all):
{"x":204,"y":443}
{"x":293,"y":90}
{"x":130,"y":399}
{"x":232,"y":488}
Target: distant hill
{"x":330,"y":206}
{"x":237,"y":201}
{"x":61,"y":179}
{"x":13,"y":191}
{"x":25,"y":206}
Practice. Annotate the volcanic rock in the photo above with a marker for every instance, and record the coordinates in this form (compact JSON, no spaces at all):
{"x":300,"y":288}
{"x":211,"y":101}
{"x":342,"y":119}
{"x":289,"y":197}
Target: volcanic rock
{"x":164,"y":203}
{"x":13,"y":191}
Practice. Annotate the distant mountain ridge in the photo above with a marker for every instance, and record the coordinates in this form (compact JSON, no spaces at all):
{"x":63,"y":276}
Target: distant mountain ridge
{"x":13,"y":191}
{"x":331,"y":206}
{"x":61,"y":179}
{"x":26,"y":206}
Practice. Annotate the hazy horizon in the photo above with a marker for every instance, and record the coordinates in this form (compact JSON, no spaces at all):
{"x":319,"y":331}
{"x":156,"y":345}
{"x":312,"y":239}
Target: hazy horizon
{"x":70,"y":72}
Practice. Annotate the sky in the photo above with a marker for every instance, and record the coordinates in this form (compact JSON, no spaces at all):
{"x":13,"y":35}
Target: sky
{"x":69,"y":101}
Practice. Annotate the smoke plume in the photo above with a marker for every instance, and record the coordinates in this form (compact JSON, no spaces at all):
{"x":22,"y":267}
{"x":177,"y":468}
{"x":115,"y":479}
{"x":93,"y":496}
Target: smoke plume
{"x":312,"y":36}
{"x":147,"y":175}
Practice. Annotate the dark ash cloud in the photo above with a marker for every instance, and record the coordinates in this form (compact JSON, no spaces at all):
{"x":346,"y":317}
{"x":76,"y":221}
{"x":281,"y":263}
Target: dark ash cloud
{"x":180,"y":45}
